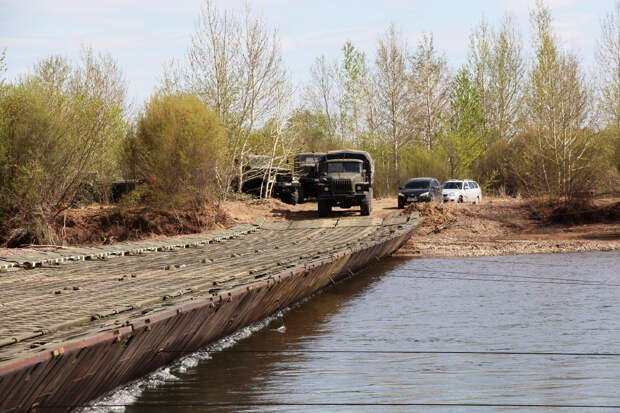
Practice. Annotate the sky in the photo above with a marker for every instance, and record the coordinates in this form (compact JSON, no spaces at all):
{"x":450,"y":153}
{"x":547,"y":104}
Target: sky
{"x":142,"y":35}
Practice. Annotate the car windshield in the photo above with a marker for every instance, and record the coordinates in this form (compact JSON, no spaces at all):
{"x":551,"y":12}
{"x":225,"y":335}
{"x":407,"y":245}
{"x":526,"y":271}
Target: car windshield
{"x":343,"y":167}
{"x":417,"y":184}
{"x":453,"y":185}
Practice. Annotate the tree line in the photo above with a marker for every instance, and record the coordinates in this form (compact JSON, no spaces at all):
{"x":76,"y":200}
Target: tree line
{"x":519,"y":123}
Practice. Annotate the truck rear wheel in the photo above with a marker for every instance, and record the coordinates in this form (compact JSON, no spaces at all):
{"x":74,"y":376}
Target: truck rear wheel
{"x":324,"y":208}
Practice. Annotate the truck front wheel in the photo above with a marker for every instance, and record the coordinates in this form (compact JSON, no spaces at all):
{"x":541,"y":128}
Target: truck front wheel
{"x":294,"y":197}
{"x":324,"y":208}
{"x":366,"y":205}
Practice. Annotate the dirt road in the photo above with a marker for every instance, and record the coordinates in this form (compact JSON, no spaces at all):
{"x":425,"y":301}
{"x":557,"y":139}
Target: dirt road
{"x":495,"y":227}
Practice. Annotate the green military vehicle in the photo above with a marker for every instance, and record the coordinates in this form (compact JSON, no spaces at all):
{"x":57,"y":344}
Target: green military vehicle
{"x":345,"y":181}
{"x":303,"y":182}
{"x":286,"y":188}
{"x":306,"y":169}
{"x":258,"y":173}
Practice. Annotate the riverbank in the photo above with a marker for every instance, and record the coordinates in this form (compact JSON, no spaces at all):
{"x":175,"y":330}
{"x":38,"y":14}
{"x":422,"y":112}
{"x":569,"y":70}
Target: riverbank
{"x":498,"y":226}
{"x":502,"y":227}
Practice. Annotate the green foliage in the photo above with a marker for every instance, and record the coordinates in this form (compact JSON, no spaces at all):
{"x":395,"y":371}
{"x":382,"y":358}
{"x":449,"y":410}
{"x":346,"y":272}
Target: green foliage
{"x":351,"y":76}
{"x":175,"y":149}
{"x":492,"y":168}
{"x":615,"y":148}
{"x":561,"y":152}
{"x":2,"y":67}
{"x":463,"y":141}
{"x":312,"y":129}
{"x":57,"y":126}
{"x":381,"y":152}
{"x":418,"y":161}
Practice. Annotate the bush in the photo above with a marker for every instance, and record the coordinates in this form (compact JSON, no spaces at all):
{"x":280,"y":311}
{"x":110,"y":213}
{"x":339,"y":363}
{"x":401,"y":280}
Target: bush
{"x":536,"y":170}
{"x":417,"y":161}
{"x":57,"y":127}
{"x":175,"y":150}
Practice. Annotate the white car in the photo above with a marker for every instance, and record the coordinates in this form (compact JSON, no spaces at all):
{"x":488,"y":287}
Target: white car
{"x":461,"y":191}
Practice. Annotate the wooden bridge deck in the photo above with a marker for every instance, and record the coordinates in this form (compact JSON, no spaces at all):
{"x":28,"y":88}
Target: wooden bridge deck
{"x":83,"y":287}
{"x":74,"y":298}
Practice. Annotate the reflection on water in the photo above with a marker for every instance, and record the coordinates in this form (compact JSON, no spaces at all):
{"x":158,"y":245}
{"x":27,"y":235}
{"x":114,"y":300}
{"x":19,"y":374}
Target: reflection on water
{"x":425,"y":335}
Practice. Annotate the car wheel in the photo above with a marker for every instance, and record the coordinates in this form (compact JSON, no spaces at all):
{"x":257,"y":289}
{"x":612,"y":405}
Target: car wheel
{"x":460,"y":201}
{"x":401,"y":205}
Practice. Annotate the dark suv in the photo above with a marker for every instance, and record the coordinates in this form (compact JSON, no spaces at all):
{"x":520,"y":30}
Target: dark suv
{"x":420,"y":190}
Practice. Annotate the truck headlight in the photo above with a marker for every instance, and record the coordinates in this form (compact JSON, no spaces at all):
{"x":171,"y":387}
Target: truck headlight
{"x":358,"y":188}
{"x":424,"y":194}
{"x":325,"y":188}
{"x":401,"y":194}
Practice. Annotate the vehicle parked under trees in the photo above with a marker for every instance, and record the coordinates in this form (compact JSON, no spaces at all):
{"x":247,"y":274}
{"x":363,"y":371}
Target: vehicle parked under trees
{"x":462,"y":191}
{"x":420,"y":190}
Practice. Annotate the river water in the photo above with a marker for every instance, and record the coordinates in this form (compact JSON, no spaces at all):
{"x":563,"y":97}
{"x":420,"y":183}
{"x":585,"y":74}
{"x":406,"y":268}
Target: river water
{"x":514,"y":333}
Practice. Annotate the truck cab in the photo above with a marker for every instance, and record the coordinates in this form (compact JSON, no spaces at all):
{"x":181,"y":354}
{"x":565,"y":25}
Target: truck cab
{"x":306,"y":169}
{"x":345,"y":181}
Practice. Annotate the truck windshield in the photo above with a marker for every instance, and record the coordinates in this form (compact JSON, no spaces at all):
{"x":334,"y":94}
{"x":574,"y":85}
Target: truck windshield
{"x":258,"y":161}
{"x":307,"y":159}
{"x":343,"y":167}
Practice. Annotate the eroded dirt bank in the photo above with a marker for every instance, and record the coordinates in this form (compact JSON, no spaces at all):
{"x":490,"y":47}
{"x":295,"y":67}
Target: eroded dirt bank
{"x":496,"y":227}
{"x":502,"y":227}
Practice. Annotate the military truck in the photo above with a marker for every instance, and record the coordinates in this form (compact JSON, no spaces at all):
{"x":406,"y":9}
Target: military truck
{"x":303,"y":182}
{"x":286,"y":188}
{"x":345,"y":180}
{"x":306,"y":169}
{"x":257,"y":174}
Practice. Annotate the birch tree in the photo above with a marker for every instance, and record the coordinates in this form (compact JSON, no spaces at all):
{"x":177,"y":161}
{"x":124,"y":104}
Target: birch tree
{"x":480,"y":51}
{"x":236,"y":67}
{"x":608,"y":59}
{"x":393,"y":95}
{"x":321,"y":93}
{"x":496,"y":59}
{"x":462,"y":140}
{"x":2,"y":67}
{"x":506,"y":81}
{"x":352,"y":75}
{"x":430,"y":86}
{"x":559,"y":155}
